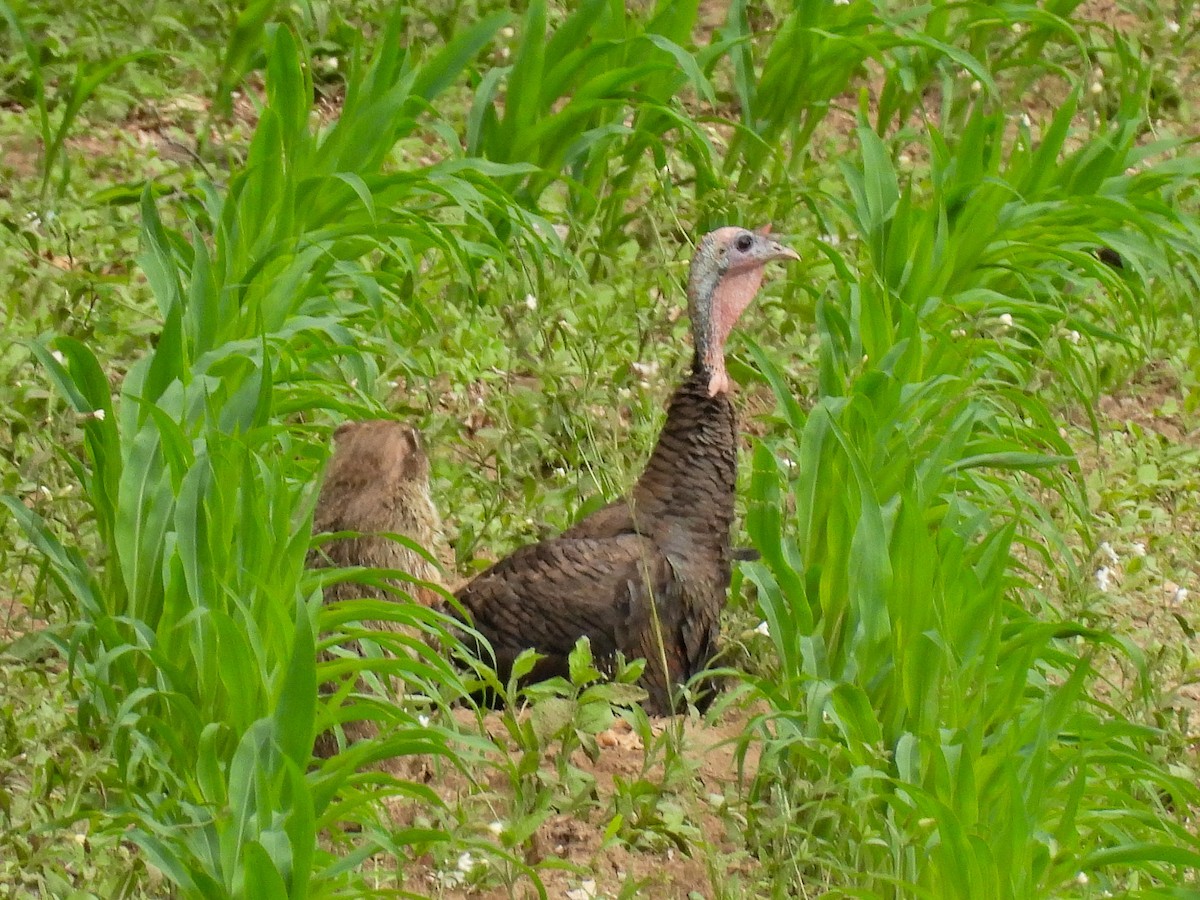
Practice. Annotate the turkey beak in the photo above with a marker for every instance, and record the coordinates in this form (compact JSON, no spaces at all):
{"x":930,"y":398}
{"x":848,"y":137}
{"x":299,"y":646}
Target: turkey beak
{"x":778,"y":251}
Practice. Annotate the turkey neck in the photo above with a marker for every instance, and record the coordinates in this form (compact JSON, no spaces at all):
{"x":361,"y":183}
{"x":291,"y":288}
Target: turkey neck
{"x":688,"y":484}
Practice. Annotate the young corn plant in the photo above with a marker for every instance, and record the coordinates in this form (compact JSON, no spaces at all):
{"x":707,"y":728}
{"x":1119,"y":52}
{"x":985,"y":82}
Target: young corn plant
{"x":596,"y":99}
{"x":196,"y":637}
{"x":903,"y":550}
{"x":787,"y":78}
{"x":70,"y":99}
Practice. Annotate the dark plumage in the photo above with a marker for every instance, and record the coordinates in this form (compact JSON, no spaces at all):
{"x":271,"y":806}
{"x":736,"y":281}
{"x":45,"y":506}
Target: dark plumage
{"x":648,"y":574}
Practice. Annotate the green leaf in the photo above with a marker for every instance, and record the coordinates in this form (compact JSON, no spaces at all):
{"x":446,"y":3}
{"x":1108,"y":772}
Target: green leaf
{"x":244,"y":42}
{"x":551,"y":717}
{"x":580,"y":666}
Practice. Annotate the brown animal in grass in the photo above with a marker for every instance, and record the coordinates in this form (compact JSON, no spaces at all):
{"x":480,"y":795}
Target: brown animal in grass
{"x":377,"y":483}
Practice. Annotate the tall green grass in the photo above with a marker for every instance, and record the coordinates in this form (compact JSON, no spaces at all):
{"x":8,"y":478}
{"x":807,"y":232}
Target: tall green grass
{"x":596,"y":99}
{"x":920,"y":671}
{"x":196,"y":631}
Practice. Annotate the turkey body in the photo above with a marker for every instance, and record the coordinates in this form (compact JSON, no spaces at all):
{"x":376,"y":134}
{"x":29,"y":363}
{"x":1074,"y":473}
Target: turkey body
{"x":646,"y":575}
{"x":377,"y":483}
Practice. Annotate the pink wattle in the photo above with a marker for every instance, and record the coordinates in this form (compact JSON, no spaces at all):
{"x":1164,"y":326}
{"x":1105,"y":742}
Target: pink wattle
{"x":731,"y":297}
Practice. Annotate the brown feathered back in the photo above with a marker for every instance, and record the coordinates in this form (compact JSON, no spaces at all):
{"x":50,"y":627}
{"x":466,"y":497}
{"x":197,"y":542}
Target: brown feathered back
{"x":377,"y":483}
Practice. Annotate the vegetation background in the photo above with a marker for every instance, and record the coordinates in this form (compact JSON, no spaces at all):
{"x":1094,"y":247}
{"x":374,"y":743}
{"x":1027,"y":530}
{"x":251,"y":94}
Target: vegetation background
{"x":970,"y":462}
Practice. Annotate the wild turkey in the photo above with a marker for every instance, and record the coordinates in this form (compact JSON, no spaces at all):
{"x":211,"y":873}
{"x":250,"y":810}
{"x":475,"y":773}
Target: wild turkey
{"x":377,"y":483}
{"x":648,"y":574}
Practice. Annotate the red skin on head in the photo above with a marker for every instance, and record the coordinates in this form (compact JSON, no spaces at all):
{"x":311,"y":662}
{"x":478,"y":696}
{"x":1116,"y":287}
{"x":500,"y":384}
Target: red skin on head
{"x":732,"y":296}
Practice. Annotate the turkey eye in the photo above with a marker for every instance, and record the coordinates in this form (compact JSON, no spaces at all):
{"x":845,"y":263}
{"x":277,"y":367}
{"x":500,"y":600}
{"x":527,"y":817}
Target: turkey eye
{"x":743,"y":242}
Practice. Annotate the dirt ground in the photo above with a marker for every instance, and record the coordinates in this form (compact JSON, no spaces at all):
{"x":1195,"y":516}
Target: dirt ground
{"x":574,"y":858}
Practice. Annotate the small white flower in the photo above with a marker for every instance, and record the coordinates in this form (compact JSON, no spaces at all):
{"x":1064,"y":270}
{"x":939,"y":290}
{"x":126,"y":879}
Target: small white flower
{"x":831,"y":239}
{"x":1026,"y":121}
{"x":333,"y":63}
{"x":496,"y":828}
{"x":763,"y":628}
{"x":560,"y":472}
{"x":1103,"y":579}
{"x":904,"y":160}
{"x":1172,"y":26}
{"x":1139,"y":548}
{"x":45,"y":490}
{"x":58,"y":357}
{"x":1006,"y":320}
{"x":1107,"y":549}
{"x":423,"y":720}
{"x":1017,"y":27}
{"x":841,"y":2}
{"x":1081,"y":878}
{"x":976,"y":86}
{"x":530,"y":302}
{"x":958,"y":333}
{"x":1097,"y":88}
{"x":507,"y":32}
{"x":585,"y":891}
{"x":467,"y":863}
{"x":1180,"y":595}
{"x":97,"y":414}
{"x":1074,"y":337}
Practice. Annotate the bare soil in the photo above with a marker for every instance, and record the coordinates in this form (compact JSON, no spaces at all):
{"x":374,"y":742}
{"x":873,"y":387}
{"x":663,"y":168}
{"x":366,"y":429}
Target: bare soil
{"x":570,"y":851}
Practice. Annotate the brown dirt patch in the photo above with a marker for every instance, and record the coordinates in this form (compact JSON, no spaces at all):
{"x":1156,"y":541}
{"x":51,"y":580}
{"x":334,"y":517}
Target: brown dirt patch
{"x":1109,"y":12}
{"x":1152,"y":404}
{"x":573,"y":852}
